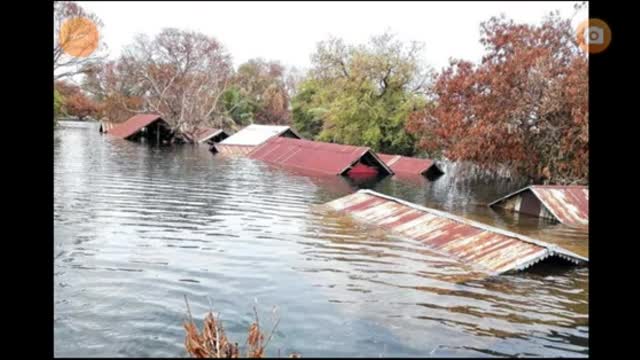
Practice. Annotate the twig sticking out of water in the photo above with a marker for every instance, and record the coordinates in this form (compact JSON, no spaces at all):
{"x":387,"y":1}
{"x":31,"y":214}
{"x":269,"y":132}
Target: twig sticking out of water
{"x":213,"y":342}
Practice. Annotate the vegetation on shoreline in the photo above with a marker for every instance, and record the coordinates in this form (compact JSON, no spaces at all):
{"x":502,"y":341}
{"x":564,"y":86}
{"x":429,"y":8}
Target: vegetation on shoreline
{"x":524,"y":106}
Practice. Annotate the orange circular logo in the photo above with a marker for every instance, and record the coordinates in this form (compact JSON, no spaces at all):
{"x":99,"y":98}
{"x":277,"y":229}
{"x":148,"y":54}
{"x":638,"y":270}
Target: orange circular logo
{"x":78,"y":36}
{"x":593,"y":35}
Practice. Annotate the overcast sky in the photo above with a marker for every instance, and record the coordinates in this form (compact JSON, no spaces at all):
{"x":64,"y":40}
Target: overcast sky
{"x":288,"y":31}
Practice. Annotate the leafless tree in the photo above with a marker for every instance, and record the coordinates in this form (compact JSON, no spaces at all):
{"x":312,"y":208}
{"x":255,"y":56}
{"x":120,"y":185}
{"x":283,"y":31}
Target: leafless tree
{"x":183,"y":75}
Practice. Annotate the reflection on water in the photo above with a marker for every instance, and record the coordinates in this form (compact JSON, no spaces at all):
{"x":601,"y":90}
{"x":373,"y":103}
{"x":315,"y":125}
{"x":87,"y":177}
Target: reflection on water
{"x":136,"y":228}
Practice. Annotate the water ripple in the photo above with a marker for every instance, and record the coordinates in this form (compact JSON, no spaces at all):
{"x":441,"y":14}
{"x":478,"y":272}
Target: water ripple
{"x":137,"y":228}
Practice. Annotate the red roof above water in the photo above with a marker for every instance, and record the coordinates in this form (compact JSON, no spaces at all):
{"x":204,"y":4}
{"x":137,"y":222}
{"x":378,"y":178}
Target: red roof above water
{"x":326,"y":158}
{"x":407,"y":165}
{"x":133,"y":125}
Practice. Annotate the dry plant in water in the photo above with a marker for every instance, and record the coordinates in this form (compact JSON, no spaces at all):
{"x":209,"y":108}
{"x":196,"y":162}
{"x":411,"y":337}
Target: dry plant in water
{"x":212,"y":342}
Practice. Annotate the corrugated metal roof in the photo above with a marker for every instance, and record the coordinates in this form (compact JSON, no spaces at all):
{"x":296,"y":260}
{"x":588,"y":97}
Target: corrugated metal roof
{"x":408,"y":165}
{"x":204,"y":134}
{"x":481,"y":246}
{"x":568,"y":204}
{"x":325,"y":158}
{"x":255,"y":134}
{"x":232,"y":149}
{"x":133,"y":125}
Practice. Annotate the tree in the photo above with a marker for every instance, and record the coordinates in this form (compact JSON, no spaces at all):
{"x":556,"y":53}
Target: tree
{"x":181,"y":76}
{"x":75,"y":102}
{"x":263,"y":84}
{"x":74,"y":26}
{"x":308,"y":114}
{"x":80,"y":106}
{"x":118,"y":94}
{"x":238,"y":107}
{"x":57,"y":105}
{"x":524,"y":106}
{"x":362,"y":95}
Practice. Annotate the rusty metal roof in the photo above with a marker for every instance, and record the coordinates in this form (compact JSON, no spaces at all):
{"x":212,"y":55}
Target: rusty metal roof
{"x":478,"y":245}
{"x":568,"y":204}
{"x":325,"y":158}
{"x":232,"y":149}
{"x":133,"y":125}
{"x":408,"y":165}
{"x":203,"y":134}
{"x":255,"y":134}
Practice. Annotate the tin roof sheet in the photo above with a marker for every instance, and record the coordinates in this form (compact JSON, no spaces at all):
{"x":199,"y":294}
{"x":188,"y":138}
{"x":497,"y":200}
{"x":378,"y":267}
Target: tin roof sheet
{"x":326,"y":158}
{"x":133,"y":125}
{"x":204,"y":134}
{"x":568,"y":204}
{"x":255,"y":134}
{"x":407,"y":165}
{"x":481,"y":246}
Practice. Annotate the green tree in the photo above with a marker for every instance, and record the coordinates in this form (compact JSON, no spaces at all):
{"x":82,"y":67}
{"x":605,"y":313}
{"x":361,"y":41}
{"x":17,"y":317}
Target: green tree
{"x":362,"y":95}
{"x":57,"y":105}
{"x":238,"y":107}
{"x":263,"y":84}
{"x":308,"y":115}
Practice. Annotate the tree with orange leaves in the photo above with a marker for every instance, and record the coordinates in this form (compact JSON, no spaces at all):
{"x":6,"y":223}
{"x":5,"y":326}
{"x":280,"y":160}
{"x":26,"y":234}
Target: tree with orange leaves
{"x":525,"y":105}
{"x":75,"y":102}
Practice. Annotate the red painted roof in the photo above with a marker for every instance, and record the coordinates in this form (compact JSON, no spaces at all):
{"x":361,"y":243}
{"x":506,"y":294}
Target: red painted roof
{"x":326,"y":158}
{"x":406,"y":165}
{"x":133,"y":125}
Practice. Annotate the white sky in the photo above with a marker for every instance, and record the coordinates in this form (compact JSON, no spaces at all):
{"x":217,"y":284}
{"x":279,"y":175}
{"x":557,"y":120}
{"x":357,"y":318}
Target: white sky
{"x":288,"y":31}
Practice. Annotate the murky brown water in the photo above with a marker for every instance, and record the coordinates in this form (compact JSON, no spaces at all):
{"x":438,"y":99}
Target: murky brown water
{"x":136,"y":228}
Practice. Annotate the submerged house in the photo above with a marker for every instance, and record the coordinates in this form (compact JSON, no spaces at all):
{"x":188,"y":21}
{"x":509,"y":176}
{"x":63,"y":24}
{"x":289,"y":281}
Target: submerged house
{"x":403,"y":165}
{"x":150,"y":127}
{"x":565,"y":204}
{"x":205,"y":135}
{"x":480,"y":246}
{"x":252,"y":136}
{"x":321,"y":157}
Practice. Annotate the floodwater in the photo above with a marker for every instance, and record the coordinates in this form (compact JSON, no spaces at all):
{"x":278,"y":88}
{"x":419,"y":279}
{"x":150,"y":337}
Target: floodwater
{"x":137,"y":228}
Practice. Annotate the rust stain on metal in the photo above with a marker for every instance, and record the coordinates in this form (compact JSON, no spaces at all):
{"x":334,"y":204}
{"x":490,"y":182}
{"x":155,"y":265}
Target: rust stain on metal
{"x":133,"y":125}
{"x":321,"y":157}
{"x":486,"y":248}
{"x":403,"y":165}
{"x":566,"y":204}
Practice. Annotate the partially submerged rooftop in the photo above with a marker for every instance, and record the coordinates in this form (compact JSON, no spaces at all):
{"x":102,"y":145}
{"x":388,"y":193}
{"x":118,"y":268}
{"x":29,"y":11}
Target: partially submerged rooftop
{"x":147,"y":125}
{"x":321,"y":157}
{"x":208,"y":135}
{"x":568,"y":205}
{"x":253,"y":135}
{"x":485,"y":248}
{"x":404,"y":165}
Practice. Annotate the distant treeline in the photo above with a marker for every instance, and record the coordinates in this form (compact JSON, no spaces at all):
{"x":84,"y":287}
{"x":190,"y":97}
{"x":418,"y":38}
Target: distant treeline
{"x":524,"y":106}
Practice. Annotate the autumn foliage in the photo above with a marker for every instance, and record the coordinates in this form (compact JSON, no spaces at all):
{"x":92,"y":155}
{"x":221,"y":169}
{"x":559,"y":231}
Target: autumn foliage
{"x":75,"y":102}
{"x":525,"y":105}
